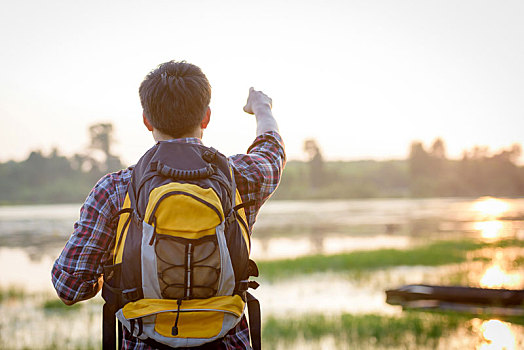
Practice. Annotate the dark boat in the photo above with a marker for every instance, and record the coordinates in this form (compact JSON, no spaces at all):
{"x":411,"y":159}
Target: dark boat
{"x":411,"y":293}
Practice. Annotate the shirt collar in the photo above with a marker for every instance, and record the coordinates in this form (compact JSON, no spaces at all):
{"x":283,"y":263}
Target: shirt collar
{"x":192,"y":140}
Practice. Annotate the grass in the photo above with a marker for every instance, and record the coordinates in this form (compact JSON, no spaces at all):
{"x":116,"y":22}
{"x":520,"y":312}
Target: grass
{"x":56,"y":305}
{"x":433,"y":254}
{"x":12,"y":293}
{"x":413,"y":327}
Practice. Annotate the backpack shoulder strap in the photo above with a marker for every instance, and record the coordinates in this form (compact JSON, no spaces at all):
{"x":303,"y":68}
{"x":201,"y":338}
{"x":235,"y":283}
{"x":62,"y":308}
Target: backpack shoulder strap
{"x":255,"y":324}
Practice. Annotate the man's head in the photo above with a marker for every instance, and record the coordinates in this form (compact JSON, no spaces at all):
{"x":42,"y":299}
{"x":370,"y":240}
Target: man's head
{"x":175,"y":97}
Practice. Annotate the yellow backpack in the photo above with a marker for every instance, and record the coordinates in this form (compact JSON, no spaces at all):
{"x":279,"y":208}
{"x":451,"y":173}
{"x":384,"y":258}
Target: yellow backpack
{"x":180,"y":266}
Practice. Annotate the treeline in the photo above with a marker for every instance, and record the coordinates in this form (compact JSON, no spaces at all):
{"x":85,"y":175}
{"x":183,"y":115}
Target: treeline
{"x":337,"y":180}
{"x":54,"y":178}
{"x":478,"y":173}
{"x":427,"y":172}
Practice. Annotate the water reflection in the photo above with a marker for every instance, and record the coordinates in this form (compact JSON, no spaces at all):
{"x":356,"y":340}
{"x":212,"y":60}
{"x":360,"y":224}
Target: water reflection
{"x":496,"y":277}
{"x":32,"y":275}
{"x":323,"y":293}
{"x":490,"y":210}
{"x":32,"y":237}
{"x":496,"y":335}
{"x":27,"y":324}
{"x":283,"y":248}
{"x":491,"y":207}
{"x":490,"y":229}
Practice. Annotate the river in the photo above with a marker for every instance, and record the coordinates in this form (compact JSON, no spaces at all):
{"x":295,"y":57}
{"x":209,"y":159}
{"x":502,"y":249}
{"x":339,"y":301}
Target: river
{"x":31,"y":237}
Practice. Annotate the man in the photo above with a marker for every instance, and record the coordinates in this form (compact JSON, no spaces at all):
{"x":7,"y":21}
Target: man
{"x":175,"y":99}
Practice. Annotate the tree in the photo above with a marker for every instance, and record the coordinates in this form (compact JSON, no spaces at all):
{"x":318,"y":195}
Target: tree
{"x":101,"y":139}
{"x":316,"y":163}
{"x":438,"y":149}
{"x":430,"y":174}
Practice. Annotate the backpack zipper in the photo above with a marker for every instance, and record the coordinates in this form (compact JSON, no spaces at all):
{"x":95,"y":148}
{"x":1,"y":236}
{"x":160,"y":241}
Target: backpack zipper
{"x":189,"y":263}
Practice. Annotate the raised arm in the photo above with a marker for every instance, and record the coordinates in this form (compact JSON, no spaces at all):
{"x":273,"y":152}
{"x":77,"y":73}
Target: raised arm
{"x":258,"y":171}
{"x":260,"y":105}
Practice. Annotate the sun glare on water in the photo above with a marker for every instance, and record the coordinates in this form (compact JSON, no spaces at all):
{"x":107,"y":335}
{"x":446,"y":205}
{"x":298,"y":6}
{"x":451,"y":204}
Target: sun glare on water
{"x":496,"y":335}
{"x":496,"y":277}
{"x":490,"y":229}
{"x":489,"y":211}
{"x":491,"y":207}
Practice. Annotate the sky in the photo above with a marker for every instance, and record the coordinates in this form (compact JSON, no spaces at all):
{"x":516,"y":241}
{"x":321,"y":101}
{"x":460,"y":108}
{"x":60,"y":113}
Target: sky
{"x":363,"y":78}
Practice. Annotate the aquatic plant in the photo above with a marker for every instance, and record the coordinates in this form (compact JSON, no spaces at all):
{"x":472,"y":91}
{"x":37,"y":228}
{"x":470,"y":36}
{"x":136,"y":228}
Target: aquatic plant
{"x":412,"y":328}
{"x":12,"y":292}
{"x":434,"y":254}
{"x":56,"y":305}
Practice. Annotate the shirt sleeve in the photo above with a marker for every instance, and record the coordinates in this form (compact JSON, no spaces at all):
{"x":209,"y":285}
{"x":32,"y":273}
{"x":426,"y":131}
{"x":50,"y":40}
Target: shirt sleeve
{"x":258,"y":172}
{"x":77,"y":269}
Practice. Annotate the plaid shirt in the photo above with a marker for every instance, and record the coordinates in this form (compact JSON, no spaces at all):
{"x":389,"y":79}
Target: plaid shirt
{"x":77,"y":269}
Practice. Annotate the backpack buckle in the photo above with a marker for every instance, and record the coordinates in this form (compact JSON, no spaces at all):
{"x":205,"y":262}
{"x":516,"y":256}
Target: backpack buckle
{"x":130,"y":295}
{"x":231,"y":218}
{"x":137,"y":219}
{"x":243,"y":285}
{"x":253,"y":284}
{"x":209,"y":155}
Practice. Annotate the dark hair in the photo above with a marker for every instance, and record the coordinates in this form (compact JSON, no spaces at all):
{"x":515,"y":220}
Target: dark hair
{"x":175,"y":97}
